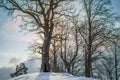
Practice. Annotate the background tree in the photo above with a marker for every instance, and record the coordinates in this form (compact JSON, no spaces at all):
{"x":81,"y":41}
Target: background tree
{"x":97,"y":19}
{"x":107,"y":62}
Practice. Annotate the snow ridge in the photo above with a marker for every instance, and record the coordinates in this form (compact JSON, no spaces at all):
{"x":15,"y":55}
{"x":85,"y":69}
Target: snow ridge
{"x":49,"y":76}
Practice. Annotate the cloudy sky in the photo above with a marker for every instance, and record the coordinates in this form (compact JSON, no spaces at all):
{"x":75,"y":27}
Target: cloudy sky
{"x":14,"y":42}
{"x":13,"y":47}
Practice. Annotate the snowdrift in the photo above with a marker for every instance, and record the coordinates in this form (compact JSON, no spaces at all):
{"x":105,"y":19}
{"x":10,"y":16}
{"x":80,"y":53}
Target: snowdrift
{"x":49,"y":76}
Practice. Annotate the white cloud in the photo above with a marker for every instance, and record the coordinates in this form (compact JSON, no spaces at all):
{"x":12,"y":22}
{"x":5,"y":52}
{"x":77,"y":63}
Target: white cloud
{"x":13,"y":41}
{"x":12,"y":54}
{"x":11,"y":59}
{"x":11,"y":30}
{"x":33,"y":64}
{"x":14,"y":61}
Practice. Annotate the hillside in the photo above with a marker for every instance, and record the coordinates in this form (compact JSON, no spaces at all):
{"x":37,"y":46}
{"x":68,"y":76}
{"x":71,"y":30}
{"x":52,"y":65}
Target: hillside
{"x":49,"y":76}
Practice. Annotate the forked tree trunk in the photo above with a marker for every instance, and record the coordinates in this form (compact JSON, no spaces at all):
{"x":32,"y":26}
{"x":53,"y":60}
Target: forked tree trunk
{"x":68,"y":69}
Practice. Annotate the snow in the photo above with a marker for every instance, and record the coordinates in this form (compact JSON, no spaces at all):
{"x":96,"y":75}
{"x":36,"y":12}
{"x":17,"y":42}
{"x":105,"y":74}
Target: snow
{"x":49,"y":76}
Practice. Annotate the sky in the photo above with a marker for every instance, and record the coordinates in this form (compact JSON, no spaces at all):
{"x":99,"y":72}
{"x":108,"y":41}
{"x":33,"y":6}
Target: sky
{"x":14,"y":42}
{"x":14,"y":47}
{"x":116,"y":5}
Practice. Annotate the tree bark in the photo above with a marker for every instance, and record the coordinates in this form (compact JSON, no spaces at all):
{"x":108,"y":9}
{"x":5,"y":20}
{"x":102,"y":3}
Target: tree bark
{"x":87,"y":65}
{"x":89,"y":48}
{"x":45,"y":67}
{"x":116,"y":62}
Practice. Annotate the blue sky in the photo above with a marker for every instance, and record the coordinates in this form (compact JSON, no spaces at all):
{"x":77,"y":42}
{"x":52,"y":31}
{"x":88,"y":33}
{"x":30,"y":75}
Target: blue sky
{"x":116,"y":5}
{"x":13,"y":42}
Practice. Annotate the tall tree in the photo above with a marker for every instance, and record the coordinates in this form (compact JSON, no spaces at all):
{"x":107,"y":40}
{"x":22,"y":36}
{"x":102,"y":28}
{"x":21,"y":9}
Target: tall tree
{"x":98,"y":18}
{"x":39,"y":16}
{"x":114,"y":49}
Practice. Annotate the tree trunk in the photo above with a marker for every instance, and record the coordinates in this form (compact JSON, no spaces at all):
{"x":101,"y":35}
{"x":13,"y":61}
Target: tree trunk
{"x":45,"y":66}
{"x":116,"y":62}
{"x":89,"y":49}
{"x":55,"y":63}
{"x":68,"y":69}
{"x":87,"y":65}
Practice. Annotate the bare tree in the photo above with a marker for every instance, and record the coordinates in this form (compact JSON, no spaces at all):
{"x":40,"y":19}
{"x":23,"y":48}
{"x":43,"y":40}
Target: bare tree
{"x":94,"y":30}
{"x":69,"y":44}
{"x":114,"y":49}
{"x":108,"y":61}
{"x":54,"y":49}
{"x":39,"y":16}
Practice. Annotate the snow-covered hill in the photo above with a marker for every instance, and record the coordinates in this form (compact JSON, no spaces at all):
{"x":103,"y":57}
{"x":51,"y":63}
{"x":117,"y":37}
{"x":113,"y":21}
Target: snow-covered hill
{"x":49,"y":76}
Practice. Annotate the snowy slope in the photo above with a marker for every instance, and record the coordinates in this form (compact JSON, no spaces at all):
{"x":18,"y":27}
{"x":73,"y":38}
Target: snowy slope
{"x":49,"y":76}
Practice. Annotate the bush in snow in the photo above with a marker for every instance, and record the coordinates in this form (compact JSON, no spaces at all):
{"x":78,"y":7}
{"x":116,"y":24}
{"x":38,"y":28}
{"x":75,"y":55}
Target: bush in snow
{"x":20,"y":70}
